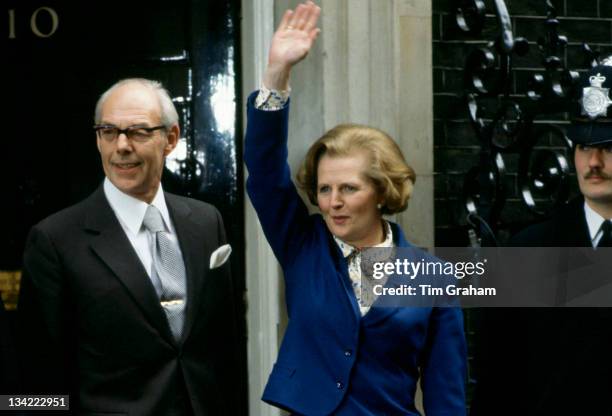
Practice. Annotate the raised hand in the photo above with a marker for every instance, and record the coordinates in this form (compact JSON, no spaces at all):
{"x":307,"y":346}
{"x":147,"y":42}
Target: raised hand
{"x":291,"y":42}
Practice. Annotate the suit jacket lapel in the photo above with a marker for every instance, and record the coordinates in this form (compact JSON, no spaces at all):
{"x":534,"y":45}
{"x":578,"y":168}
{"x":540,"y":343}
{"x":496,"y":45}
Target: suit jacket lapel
{"x":341,"y":266}
{"x":112,"y":246}
{"x":379,"y":313}
{"x":572,"y":227}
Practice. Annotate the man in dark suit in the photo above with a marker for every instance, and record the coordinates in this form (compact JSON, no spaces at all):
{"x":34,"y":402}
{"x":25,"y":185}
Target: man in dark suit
{"x":126,"y":297}
{"x":558,"y":361}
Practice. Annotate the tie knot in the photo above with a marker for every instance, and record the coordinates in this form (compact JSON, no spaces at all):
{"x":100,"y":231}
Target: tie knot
{"x":153,"y":220}
{"x":606,"y":227}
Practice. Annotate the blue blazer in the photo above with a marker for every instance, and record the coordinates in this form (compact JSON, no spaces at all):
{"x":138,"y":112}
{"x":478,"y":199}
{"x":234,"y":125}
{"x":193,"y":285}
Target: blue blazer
{"x":332,"y":360}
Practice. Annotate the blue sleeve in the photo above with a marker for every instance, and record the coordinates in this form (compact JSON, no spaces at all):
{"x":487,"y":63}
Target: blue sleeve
{"x":444,"y":364}
{"x":281,"y":212}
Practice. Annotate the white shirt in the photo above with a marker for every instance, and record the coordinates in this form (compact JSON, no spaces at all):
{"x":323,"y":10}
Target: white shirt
{"x":130,"y":212}
{"x":594,"y":221}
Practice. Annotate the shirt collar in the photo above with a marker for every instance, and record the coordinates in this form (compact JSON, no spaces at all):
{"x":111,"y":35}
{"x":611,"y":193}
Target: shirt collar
{"x":131,"y":211}
{"x":594,"y":221}
{"x":348,"y":249}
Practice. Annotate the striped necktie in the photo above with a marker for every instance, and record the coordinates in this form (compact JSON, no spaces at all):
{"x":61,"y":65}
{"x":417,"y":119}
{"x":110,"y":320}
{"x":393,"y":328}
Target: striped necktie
{"x":169,"y":268}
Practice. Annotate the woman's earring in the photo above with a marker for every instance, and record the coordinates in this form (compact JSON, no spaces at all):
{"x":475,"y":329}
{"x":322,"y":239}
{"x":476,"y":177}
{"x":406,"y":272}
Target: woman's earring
{"x":379,"y":206}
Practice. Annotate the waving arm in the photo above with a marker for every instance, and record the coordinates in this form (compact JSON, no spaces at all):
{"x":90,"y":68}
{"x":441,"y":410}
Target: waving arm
{"x":291,"y":42}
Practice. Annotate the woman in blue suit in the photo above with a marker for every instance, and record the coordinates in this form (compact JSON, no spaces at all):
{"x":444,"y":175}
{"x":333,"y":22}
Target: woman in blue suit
{"x":339,"y":355}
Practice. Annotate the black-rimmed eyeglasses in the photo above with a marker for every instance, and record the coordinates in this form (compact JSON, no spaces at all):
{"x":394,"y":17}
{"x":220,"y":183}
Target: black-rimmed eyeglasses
{"x":140,"y":134}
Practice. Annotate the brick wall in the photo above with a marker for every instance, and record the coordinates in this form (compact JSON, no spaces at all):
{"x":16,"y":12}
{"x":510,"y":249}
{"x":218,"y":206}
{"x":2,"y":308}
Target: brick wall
{"x":456,"y":145}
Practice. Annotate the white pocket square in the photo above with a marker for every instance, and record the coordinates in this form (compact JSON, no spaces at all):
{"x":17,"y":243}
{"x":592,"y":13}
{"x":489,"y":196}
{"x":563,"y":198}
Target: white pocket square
{"x":220,"y":256}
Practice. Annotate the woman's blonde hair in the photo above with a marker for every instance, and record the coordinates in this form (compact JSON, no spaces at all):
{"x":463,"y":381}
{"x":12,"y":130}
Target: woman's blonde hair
{"x":388,"y":170}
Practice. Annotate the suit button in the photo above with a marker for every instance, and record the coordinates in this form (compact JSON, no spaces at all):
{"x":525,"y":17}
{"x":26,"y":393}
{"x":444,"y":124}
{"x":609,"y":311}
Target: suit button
{"x":339,"y":385}
{"x":348,"y":353}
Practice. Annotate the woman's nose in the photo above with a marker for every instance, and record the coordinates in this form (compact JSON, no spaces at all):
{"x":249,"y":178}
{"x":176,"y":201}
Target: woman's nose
{"x":336,"y":199}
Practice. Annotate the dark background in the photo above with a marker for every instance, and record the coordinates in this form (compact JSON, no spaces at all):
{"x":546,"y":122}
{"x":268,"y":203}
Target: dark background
{"x":49,"y":158}
{"x":457,"y":147}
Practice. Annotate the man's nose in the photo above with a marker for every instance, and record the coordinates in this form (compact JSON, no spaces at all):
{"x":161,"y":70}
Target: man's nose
{"x":123,"y":143}
{"x":596,"y":158}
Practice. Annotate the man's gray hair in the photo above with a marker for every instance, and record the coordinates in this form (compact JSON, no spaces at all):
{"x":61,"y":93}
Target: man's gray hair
{"x":169,"y":116}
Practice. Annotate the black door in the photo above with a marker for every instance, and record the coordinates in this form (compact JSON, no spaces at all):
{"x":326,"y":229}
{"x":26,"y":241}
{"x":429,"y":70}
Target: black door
{"x":60,"y":55}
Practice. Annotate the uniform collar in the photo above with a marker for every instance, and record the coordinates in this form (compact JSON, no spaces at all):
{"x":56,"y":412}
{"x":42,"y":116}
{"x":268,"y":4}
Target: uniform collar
{"x":593,"y":220}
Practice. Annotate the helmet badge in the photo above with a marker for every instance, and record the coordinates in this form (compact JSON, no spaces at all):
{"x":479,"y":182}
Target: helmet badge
{"x":595,"y":99}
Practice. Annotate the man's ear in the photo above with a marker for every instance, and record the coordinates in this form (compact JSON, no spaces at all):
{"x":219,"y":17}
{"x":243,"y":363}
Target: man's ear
{"x":173,"y":135}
